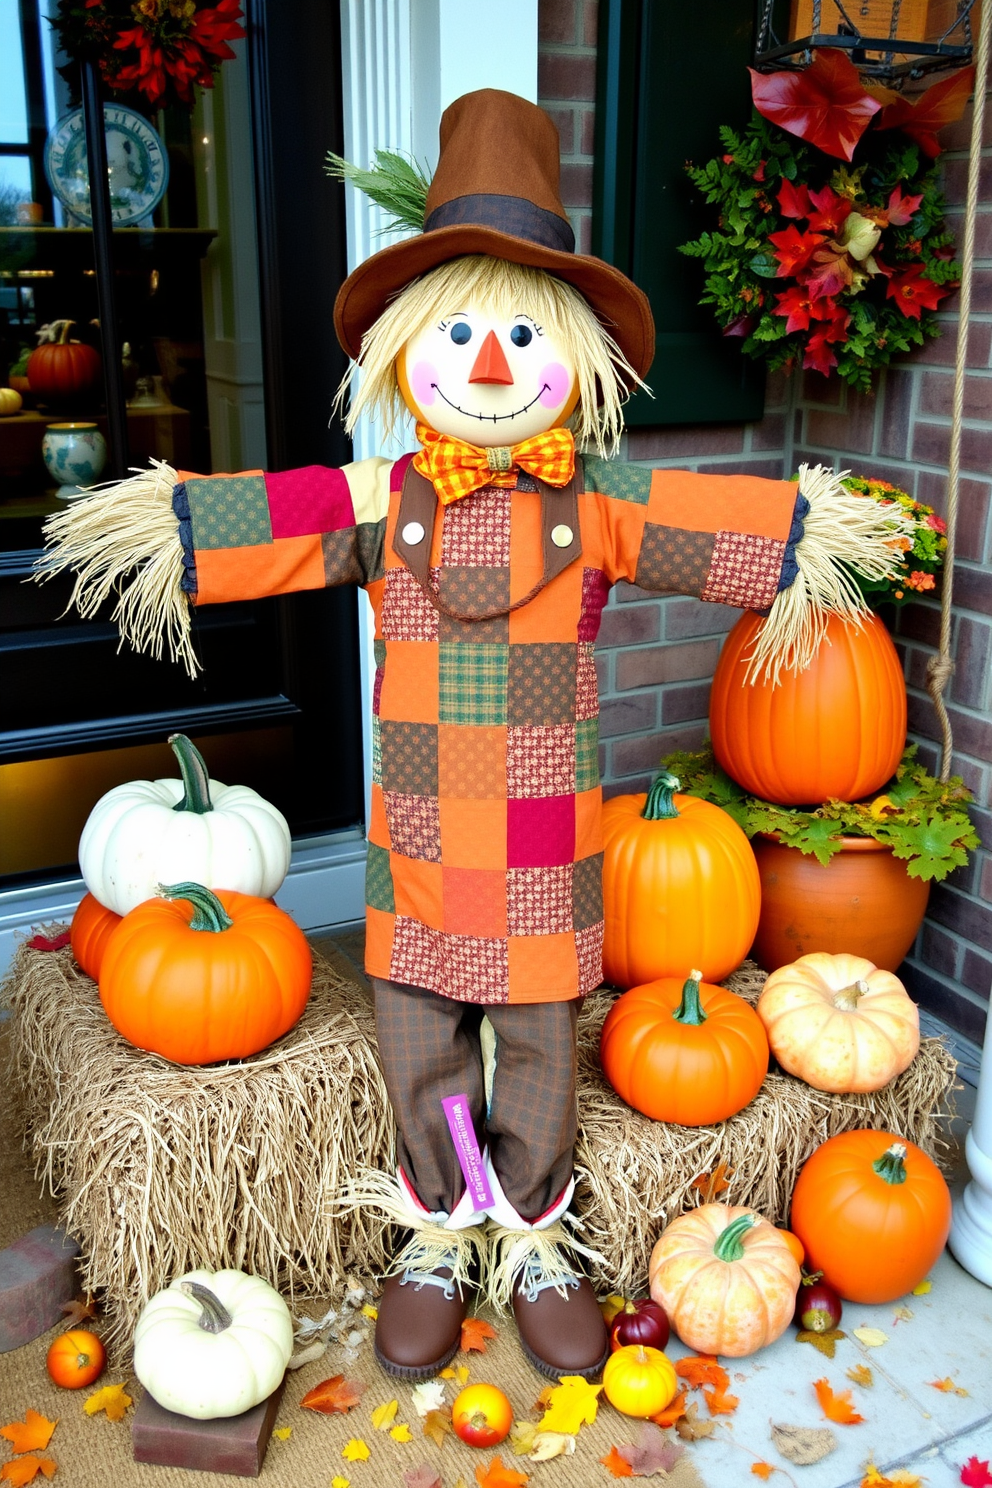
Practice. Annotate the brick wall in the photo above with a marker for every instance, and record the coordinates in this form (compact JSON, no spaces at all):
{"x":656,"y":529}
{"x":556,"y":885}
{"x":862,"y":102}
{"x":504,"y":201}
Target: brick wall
{"x":656,"y":656}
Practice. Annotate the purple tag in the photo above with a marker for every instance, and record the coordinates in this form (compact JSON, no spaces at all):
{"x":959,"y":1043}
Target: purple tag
{"x":456,"y":1109}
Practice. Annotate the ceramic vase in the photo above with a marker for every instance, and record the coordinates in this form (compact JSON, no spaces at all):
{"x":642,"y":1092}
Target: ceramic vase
{"x":74,"y":455}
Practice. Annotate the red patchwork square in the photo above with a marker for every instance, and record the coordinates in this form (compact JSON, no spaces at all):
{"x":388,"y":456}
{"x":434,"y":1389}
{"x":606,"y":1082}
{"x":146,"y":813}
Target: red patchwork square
{"x":586,"y":684}
{"x":595,"y":593}
{"x":414,"y":956}
{"x":474,"y":968}
{"x":407,"y":613}
{"x":745,"y":570}
{"x":476,"y":530}
{"x":414,"y":825}
{"x":589,"y":950}
{"x":540,"y":833}
{"x":540,"y":760}
{"x":539,"y":900}
{"x":307,"y":501}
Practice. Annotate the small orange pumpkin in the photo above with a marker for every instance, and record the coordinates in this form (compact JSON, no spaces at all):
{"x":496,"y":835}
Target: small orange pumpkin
{"x":873,"y":1212}
{"x":200,"y":977}
{"x":680,"y":887}
{"x":685,"y":1052}
{"x":92,"y":926}
{"x":726,"y":1278}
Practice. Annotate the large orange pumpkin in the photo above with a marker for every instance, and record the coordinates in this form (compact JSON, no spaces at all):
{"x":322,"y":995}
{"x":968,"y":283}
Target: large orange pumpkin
{"x":836,"y":729}
{"x":873,"y":1213}
{"x":686,"y":1053}
{"x":680,"y":887}
{"x":200,"y":977}
{"x":92,"y":926}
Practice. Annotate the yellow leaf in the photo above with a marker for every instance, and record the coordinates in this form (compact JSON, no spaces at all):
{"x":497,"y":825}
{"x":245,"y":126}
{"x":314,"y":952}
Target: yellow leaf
{"x":522,"y":1434}
{"x":283,"y":1432}
{"x":370,"y":1312}
{"x":355,"y":1450}
{"x":921,"y":1288}
{"x":861,"y":1375}
{"x":448,"y":1373}
{"x":111,"y":1399}
{"x":339,"y":1482}
{"x":571,"y":1404}
{"x":401,"y":1433}
{"x":384,"y":1415}
{"x":610,"y":1306}
{"x":871,"y":1337}
{"x":948,"y":1386}
{"x":902,"y":1315}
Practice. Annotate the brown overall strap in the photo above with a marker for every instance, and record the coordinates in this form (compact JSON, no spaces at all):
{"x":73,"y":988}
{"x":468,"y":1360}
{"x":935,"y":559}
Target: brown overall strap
{"x":418,"y":511}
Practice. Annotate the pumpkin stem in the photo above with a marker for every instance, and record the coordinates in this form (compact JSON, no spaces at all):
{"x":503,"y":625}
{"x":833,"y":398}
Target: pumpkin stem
{"x":892,"y":1164}
{"x":215,"y":1317}
{"x":847,"y":998}
{"x":729,"y":1247}
{"x":659,"y":805}
{"x":690,"y":1009}
{"x":196,"y":780}
{"x":208,"y":912}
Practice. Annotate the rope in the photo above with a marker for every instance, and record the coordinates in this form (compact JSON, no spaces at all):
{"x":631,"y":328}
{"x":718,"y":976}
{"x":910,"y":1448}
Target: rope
{"x":940,"y":668}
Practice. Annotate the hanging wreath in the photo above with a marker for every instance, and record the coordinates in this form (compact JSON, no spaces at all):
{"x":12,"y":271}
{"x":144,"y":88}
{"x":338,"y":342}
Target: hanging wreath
{"x":160,"y":48}
{"x":831,"y":266}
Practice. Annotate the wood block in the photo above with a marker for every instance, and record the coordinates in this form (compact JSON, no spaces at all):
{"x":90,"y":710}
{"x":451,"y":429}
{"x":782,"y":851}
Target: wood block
{"x":37,"y":1278}
{"x":228,"y":1444}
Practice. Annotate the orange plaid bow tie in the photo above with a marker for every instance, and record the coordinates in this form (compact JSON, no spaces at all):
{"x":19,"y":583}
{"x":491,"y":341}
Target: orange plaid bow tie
{"x":457,"y":469}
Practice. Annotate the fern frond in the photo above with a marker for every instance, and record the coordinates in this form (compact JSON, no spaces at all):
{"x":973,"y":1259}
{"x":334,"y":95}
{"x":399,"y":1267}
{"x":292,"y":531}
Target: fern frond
{"x":395,"y":183}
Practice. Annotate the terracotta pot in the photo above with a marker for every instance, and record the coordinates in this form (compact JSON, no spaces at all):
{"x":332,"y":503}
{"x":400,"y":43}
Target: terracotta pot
{"x":863,"y":901}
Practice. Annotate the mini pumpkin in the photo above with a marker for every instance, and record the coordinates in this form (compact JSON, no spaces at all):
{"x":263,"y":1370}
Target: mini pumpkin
{"x":10,"y":401}
{"x":726,"y":1278}
{"x":839,"y":1023}
{"x":214,"y":1343}
{"x":686,"y":1052}
{"x":639,"y":1381}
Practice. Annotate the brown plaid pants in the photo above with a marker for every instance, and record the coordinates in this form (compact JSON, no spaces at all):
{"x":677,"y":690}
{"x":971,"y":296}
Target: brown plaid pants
{"x":429,"y":1047}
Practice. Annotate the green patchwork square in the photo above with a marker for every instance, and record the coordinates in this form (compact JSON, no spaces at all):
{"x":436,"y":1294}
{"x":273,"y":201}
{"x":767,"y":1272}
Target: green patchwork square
{"x":587,"y":754}
{"x":473,"y":683}
{"x":379,"y":880}
{"x":229,"y":511}
{"x":615,"y":478}
{"x":376,"y":749}
{"x":379,"y":652}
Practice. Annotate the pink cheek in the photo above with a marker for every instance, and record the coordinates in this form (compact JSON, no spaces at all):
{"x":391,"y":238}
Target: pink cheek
{"x":557,"y":382}
{"x":423,"y":380}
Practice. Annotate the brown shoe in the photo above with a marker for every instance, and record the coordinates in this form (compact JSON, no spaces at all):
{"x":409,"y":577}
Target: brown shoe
{"x":561,"y":1327}
{"x":424,"y":1302}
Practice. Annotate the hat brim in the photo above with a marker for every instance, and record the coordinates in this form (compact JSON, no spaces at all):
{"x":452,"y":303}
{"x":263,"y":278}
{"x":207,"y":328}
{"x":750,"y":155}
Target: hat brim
{"x":622,"y":307}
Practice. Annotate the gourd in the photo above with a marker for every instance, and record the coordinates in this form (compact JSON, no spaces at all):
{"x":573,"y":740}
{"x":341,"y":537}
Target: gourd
{"x":148,"y":832}
{"x":200,"y":977}
{"x":92,"y":926}
{"x":685,"y":1052}
{"x":726,"y":1278}
{"x":214,"y":1343}
{"x":10,"y":401}
{"x":839,"y":1023}
{"x":836,"y":729}
{"x":680,"y":887}
{"x":873,"y":1212}
{"x":639,"y":1381}
{"x":61,"y":370}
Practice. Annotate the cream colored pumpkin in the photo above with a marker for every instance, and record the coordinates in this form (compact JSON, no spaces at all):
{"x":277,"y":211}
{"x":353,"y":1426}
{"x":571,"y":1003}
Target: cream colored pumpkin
{"x":214,"y":1343}
{"x":10,"y":401}
{"x":839,"y":1023}
{"x":726,"y":1278}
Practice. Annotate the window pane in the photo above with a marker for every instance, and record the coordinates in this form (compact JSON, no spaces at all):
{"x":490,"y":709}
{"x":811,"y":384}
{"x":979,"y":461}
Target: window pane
{"x":15,"y":186}
{"x":13,"y":104}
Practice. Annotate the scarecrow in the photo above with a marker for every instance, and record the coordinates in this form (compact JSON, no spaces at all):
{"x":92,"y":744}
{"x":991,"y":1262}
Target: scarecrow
{"x":488,"y":556}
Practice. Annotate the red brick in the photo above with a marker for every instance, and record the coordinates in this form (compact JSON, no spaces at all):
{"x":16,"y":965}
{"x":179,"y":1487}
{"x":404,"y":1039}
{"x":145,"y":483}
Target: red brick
{"x":957,"y":136}
{"x":939,"y":950}
{"x":587,"y":137}
{"x":685,"y":441}
{"x":983,"y":224}
{"x":852,"y":428}
{"x":985,"y":888}
{"x":629,"y":625}
{"x":630,"y":755}
{"x":770,"y":433}
{"x":687,"y":618}
{"x":797,"y":427}
{"x":767,"y":469}
{"x":971,"y":773}
{"x":603,"y":670}
{"x":976,"y":973}
{"x":937,"y":395}
{"x":955,"y":180}
{"x":625,"y":593}
{"x":931,"y":446}
{"x":557,"y":20}
{"x":228,"y":1444}
{"x":778,"y":390}
{"x":981,"y":295}
{"x":591,"y":28}
{"x":576,"y":185}
{"x":560,"y":76}
{"x":971,"y":735}
{"x":915,"y":667}
{"x":650,"y":665}
{"x":636,"y":785}
{"x":685,"y":704}
{"x":972,"y":651}
{"x":942,"y":350}
{"x":972,"y":588}
{"x":564,"y":122}
{"x":946,"y":1001}
{"x":817,"y":389}
{"x":968,"y":917}
{"x":973,"y":511}
{"x":583,"y":238}
{"x":920,"y":622}
{"x":628,"y":715}
{"x":37,"y":1278}
{"x":893,"y":435}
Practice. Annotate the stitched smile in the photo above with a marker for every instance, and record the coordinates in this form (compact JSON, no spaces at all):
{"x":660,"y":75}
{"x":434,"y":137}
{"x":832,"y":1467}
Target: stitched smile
{"x":494,"y":418}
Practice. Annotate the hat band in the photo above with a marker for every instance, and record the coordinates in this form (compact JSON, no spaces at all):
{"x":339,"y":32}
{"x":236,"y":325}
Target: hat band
{"x":507,"y":214}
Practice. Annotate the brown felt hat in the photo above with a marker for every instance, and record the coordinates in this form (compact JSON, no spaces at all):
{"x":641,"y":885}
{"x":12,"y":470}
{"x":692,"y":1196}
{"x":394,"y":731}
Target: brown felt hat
{"x":496,"y":191}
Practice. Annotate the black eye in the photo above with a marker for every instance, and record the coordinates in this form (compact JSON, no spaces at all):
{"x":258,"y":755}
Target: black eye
{"x":521,"y":335}
{"x":460,"y":333}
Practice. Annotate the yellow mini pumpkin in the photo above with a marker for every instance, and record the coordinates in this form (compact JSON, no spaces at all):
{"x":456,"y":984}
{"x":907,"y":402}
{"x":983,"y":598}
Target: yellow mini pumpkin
{"x":639,"y":1381}
{"x":726,"y":1278}
{"x":839,"y":1023}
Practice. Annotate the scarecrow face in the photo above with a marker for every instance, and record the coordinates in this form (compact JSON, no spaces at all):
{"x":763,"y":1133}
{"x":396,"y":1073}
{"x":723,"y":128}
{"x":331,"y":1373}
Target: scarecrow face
{"x":486,"y":380}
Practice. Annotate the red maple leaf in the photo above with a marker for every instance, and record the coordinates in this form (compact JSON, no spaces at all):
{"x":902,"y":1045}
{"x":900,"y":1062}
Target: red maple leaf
{"x":818,"y":357}
{"x":793,"y":201}
{"x":976,"y":1474}
{"x":794,"y":249}
{"x":825,"y":104}
{"x":832,"y":211}
{"x":801,"y":307}
{"x":913,"y":292}
{"x":941,"y":104}
{"x":333,"y":1395}
{"x":901,"y":208}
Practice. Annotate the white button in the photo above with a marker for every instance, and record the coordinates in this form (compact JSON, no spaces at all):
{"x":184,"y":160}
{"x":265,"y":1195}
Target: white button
{"x":562,"y":536}
{"x":413,"y":533}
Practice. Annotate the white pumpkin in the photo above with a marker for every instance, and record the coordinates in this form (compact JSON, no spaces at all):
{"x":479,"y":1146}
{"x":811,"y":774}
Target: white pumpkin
{"x":10,"y":401}
{"x":223,"y":836}
{"x":214,"y":1343}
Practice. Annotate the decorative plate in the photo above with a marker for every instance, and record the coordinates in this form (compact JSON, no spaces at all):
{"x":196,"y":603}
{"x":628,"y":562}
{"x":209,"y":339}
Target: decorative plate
{"x":136,"y":159}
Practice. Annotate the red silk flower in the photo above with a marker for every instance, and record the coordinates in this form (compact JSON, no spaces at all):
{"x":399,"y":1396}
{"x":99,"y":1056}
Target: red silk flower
{"x":825,"y":104}
{"x":920,"y":118}
{"x":913,"y":292}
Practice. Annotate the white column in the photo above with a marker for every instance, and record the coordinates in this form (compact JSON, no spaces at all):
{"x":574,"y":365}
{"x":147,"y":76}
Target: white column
{"x":971,"y":1228}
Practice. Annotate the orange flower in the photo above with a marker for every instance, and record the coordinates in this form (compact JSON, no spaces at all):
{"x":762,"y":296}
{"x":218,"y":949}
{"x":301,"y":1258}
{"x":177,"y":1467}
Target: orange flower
{"x":921,"y":582}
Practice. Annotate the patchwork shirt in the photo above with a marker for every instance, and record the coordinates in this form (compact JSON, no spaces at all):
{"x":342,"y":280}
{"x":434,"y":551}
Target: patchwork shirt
{"x":484,"y":877}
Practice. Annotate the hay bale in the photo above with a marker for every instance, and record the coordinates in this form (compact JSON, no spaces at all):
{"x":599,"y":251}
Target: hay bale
{"x":161,"y":1168}
{"x":633,"y":1174}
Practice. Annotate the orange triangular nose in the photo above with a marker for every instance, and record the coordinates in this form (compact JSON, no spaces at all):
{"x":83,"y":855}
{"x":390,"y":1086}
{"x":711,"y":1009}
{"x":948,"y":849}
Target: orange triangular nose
{"x":491,"y":364}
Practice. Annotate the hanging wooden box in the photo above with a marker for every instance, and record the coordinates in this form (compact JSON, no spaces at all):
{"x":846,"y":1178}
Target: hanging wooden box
{"x":918,"y":20}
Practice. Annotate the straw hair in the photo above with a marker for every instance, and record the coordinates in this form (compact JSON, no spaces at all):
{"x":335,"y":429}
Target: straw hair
{"x":842,"y":532}
{"x":506,"y":289}
{"x":127,"y":530}
{"x":430,"y":1246}
{"x":510,"y":1252}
